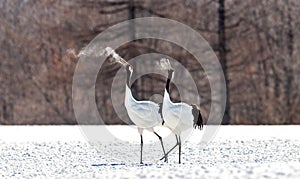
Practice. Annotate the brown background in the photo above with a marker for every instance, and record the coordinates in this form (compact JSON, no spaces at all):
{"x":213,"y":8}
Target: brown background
{"x":256,"y":41}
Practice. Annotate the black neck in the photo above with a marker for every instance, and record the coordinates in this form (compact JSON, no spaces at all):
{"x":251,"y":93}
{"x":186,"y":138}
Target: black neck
{"x":170,"y":74}
{"x":128,"y":78}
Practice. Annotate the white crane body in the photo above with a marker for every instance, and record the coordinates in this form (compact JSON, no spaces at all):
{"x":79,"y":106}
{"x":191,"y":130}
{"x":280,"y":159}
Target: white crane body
{"x":144,"y":114}
{"x":178,"y":115}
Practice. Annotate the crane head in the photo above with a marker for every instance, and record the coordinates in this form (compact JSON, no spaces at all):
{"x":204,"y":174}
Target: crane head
{"x":129,"y":67}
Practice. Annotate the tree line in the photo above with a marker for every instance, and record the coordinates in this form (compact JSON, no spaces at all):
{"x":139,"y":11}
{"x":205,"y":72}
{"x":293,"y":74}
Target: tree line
{"x":257,"y":43}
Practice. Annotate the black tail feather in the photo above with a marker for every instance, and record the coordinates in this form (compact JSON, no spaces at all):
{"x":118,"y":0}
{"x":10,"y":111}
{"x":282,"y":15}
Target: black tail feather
{"x":198,"y":120}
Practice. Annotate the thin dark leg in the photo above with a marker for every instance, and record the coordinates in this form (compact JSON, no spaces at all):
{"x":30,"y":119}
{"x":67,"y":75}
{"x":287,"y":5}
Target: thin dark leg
{"x":169,"y":151}
{"x":141,"y":159}
{"x":162,"y":145}
{"x":179,"y":143}
{"x":171,"y":148}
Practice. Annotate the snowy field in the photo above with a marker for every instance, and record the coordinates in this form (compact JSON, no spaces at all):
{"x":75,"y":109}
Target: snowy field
{"x":235,"y":152}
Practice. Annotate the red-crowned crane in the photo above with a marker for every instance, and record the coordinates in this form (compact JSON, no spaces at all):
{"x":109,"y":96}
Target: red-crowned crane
{"x":178,"y":117}
{"x":144,"y":114}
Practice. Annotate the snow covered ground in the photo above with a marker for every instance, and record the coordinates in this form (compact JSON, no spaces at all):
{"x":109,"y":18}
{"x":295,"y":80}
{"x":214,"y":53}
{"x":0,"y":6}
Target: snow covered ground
{"x":235,"y":152}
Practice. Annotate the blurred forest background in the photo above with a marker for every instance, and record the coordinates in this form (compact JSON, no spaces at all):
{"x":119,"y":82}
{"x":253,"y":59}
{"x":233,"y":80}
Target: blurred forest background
{"x":257,"y":43}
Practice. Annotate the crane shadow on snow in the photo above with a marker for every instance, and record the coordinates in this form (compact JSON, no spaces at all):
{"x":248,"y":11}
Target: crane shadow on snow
{"x":118,"y":164}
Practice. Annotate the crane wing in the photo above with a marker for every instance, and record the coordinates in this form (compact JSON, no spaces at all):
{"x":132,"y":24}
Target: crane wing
{"x":144,"y":109}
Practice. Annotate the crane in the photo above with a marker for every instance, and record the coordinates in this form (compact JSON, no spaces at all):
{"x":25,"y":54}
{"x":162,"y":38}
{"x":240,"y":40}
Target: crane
{"x":178,"y":117}
{"x":144,"y":114}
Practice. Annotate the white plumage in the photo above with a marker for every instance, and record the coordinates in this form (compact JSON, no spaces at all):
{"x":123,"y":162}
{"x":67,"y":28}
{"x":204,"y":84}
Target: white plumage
{"x":144,"y":114}
{"x":178,"y":117}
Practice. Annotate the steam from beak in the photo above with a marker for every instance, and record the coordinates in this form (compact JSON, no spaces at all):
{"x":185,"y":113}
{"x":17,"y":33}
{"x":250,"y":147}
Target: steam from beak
{"x":165,"y":64}
{"x":116,"y":58}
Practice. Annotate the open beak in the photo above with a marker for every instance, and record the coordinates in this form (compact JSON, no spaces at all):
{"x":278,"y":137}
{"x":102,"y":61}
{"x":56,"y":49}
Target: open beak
{"x":109,"y":51}
{"x":123,"y":62}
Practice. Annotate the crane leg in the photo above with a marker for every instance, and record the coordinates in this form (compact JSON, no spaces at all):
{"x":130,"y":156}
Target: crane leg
{"x":177,"y":142}
{"x":162,"y":145}
{"x":141,"y":156}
